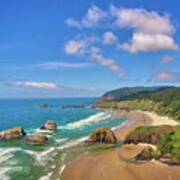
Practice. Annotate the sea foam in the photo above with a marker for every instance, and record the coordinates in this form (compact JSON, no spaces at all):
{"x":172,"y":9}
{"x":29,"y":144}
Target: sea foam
{"x":94,"y":118}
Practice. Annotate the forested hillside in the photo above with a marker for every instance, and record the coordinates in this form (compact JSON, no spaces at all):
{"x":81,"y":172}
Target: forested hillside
{"x":164,"y":101}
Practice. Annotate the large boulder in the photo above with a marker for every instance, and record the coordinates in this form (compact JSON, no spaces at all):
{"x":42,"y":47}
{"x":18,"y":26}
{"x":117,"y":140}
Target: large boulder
{"x":36,"y":139}
{"x":14,"y":133}
{"x":102,"y":135}
{"x":50,"y":125}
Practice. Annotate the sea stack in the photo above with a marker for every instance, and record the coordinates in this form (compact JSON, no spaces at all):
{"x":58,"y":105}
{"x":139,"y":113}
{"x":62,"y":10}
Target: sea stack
{"x":102,"y":135}
{"x":14,"y":133}
{"x":37,"y":139}
{"x":50,"y":125}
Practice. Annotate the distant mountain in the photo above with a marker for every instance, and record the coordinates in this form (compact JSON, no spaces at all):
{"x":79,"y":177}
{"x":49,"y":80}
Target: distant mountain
{"x":128,"y":92}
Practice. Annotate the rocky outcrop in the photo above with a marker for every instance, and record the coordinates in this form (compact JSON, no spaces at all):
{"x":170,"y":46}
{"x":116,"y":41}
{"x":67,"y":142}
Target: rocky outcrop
{"x":14,"y":133}
{"x":102,"y":135}
{"x":150,"y":135}
{"x":36,"y":139}
{"x":167,"y":159}
{"x":50,"y":125}
{"x":136,"y":137}
{"x":72,"y":106}
{"x":43,"y":106}
{"x":144,"y":155}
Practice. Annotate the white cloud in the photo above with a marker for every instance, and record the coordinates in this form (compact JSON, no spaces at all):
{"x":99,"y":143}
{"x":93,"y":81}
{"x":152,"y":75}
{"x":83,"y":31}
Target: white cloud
{"x":79,"y":47}
{"x":107,"y":62}
{"x":75,"y":47}
{"x":109,"y":38}
{"x":82,"y":47}
{"x":166,"y":76}
{"x":41,"y":85}
{"x":56,"y":65}
{"x":58,"y":90}
{"x":149,"y":42}
{"x":73,"y":23}
{"x":142,"y":20}
{"x":93,"y":16}
{"x":91,"y":19}
{"x":45,"y":66}
{"x":167,"y":60}
{"x":152,"y":32}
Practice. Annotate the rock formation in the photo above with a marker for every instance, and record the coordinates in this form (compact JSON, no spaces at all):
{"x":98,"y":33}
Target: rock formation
{"x":150,"y":135}
{"x":50,"y":125}
{"x":36,"y":139}
{"x":14,"y":133}
{"x":102,"y":135}
{"x":72,"y":106}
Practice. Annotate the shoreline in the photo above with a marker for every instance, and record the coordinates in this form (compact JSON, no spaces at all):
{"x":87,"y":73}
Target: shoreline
{"x":93,"y":166}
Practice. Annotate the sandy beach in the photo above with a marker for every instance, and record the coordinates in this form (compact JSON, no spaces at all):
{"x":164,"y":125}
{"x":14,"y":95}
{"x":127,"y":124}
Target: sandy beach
{"x":160,"y":120}
{"x":113,"y":165}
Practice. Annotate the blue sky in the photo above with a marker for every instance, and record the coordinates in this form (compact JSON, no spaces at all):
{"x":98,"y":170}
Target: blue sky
{"x":84,"y":48}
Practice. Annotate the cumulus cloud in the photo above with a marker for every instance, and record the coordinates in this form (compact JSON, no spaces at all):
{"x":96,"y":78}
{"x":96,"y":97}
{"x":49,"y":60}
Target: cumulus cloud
{"x":91,"y":19}
{"x":152,"y":32}
{"x":167,"y":60}
{"x":110,"y":63}
{"x":41,"y":85}
{"x":78,"y":46}
{"x":149,"y":42}
{"x":166,"y":76}
{"x":75,"y":47}
{"x":142,"y":20}
{"x":109,"y":38}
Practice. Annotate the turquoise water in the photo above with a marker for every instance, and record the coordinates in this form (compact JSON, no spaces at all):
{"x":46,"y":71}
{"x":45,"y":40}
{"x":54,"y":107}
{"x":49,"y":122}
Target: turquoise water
{"x":46,"y":162}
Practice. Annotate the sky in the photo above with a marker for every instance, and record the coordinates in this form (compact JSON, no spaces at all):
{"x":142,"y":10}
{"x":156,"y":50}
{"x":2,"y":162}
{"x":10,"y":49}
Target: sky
{"x":84,"y":48}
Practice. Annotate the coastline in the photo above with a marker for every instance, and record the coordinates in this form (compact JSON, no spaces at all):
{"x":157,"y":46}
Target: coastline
{"x":111,"y":164}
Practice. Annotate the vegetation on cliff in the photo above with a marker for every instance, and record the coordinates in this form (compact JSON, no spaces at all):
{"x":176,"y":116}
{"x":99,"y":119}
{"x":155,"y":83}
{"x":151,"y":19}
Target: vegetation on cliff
{"x":166,"y":138}
{"x":144,"y":134}
{"x":125,"y":92}
{"x":170,"y":143}
{"x":165,"y":101}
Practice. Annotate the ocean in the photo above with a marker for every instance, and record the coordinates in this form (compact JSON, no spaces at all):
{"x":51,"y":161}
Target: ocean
{"x":46,"y":162}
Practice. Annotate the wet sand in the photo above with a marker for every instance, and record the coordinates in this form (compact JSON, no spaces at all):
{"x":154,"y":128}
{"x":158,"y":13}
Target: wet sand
{"x":113,"y":164}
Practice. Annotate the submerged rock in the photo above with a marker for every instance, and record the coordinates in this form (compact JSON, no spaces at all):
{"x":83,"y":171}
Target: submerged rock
{"x":14,"y":133}
{"x":102,"y":135}
{"x":50,"y":125}
{"x":37,"y":139}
